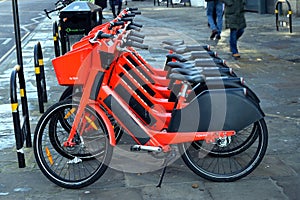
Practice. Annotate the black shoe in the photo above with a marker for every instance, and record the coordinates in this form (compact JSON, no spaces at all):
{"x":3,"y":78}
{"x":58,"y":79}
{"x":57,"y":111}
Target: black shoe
{"x":213,"y":34}
{"x":218,"y":37}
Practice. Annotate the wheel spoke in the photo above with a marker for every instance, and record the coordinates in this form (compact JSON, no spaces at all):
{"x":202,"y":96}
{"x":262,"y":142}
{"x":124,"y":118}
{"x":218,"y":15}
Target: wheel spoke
{"x":230,"y":158}
{"x":75,"y":166}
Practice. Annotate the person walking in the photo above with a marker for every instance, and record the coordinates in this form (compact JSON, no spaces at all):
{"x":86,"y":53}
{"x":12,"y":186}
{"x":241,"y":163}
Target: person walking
{"x":102,"y":4}
{"x":214,"y":12}
{"x":236,"y":22}
{"x":113,"y":3}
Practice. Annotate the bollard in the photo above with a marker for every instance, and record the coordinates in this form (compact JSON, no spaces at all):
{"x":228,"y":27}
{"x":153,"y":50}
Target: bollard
{"x":21,"y":133}
{"x":56,"y":39}
{"x":40,"y":76}
{"x":280,"y":22}
{"x":20,"y":71}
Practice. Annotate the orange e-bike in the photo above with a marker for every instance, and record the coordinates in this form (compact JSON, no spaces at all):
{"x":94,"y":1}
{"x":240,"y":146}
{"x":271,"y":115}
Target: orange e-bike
{"x":220,"y":133}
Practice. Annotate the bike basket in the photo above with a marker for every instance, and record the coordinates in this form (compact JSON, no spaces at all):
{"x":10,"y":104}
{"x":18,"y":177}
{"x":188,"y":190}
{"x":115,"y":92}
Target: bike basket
{"x":73,"y":67}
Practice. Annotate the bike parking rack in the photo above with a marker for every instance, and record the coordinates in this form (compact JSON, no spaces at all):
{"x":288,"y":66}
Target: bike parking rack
{"x":167,"y":1}
{"x":278,"y":8}
{"x":40,"y":76}
{"x":21,"y":126}
{"x":172,"y":2}
{"x":56,"y":39}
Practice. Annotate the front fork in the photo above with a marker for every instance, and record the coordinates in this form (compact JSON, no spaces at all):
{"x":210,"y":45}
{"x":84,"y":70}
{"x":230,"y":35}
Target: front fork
{"x":77,"y":125}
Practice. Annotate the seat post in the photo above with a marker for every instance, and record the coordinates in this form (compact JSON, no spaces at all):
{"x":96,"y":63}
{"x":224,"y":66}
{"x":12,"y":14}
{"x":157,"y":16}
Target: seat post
{"x":182,"y":95}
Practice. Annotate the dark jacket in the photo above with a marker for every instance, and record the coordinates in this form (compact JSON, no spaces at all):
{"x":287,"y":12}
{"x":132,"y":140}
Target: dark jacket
{"x":235,"y":14}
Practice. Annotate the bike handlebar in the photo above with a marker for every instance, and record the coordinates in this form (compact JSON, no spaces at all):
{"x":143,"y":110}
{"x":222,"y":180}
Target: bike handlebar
{"x":135,"y":39}
{"x":137,"y":24}
{"x":133,"y":27}
{"x":136,"y":34}
{"x":101,"y":35}
{"x":126,"y":19}
{"x":136,"y":12}
{"x":114,"y":24}
{"x":131,"y":9}
{"x":135,"y":44}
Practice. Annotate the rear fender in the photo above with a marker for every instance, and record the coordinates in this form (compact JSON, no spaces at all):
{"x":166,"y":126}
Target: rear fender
{"x":215,"y":110}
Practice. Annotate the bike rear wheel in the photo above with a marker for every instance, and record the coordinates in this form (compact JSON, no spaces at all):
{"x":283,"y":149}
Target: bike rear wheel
{"x":227,"y":166}
{"x":77,"y":166}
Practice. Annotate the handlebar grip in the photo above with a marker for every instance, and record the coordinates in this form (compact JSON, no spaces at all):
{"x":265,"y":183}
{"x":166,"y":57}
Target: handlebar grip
{"x":129,"y":15}
{"x":137,"y":45}
{"x":131,"y":9}
{"x":136,"y":12}
{"x":101,"y":35}
{"x":105,"y":35}
{"x":113,"y":24}
{"x":125,"y":19}
{"x":135,"y":39}
{"x":137,"y":24}
{"x":131,"y":27}
{"x":136,"y":34}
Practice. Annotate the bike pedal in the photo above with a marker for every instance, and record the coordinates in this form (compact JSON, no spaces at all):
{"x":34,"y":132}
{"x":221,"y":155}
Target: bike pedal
{"x":145,"y":148}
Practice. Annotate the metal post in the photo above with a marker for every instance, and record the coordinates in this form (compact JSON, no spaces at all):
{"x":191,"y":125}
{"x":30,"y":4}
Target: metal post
{"x":278,"y":10}
{"x":19,"y":137}
{"x":21,"y":72}
{"x":40,"y":76}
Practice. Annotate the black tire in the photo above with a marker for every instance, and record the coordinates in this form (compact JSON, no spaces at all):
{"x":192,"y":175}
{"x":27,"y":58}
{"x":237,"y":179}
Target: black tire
{"x":71,"y":167}
{"x":232,"y":167}
{"x":67,"y":93}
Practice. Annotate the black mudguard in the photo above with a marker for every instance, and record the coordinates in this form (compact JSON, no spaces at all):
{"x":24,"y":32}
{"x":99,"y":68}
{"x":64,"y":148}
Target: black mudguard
{"x":215,"y":110}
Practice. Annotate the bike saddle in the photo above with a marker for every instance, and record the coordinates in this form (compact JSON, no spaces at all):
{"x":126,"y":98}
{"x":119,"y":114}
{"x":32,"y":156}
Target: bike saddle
{"x":177,"y":57}
{"x":191,"y":55}
{"x":185,"y":49}
{"x":205,"y":62}
{"x":180,"y":65}
{"x":200,"y":54}
{"x":185,"y":71}
{"x":224,"y":80}
{"x":173,"y":42}
{"x":197,"y":78}
{"x":207,"y":71}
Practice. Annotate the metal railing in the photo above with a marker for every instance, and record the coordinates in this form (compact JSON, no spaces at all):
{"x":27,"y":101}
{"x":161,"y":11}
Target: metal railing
{"x":278,"y":11}
{"x":40,"y":76}
{"x":21,"y":125}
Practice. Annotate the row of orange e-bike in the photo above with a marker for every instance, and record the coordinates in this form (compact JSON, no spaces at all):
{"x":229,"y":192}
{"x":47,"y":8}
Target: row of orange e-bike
{"x":194,"y":106}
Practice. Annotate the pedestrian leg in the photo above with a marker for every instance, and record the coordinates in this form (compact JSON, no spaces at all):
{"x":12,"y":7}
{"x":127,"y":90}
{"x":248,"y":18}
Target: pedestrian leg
{"x":233,"y":44}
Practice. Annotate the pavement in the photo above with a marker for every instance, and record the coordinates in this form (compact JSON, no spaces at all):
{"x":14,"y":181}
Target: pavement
{"x":270,"y":64}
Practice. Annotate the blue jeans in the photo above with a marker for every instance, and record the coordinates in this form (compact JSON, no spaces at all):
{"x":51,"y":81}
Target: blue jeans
{"x":214,"y":14}
{"x":234,"y":37}
{"x":112,"y":4}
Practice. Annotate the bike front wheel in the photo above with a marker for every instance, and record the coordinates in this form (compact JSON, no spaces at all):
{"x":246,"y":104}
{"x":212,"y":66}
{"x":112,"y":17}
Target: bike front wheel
{"x":231,"y":167}
{"x":77,"y":166}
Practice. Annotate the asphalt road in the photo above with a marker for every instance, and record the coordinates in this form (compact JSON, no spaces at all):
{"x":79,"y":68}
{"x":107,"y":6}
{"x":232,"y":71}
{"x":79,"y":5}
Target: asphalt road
{"x":30,"y":14}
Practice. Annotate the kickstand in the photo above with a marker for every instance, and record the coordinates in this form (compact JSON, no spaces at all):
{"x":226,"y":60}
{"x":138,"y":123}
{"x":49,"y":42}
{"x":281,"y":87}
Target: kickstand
{"x":166,"y":162}
{"x":161,"y":177}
